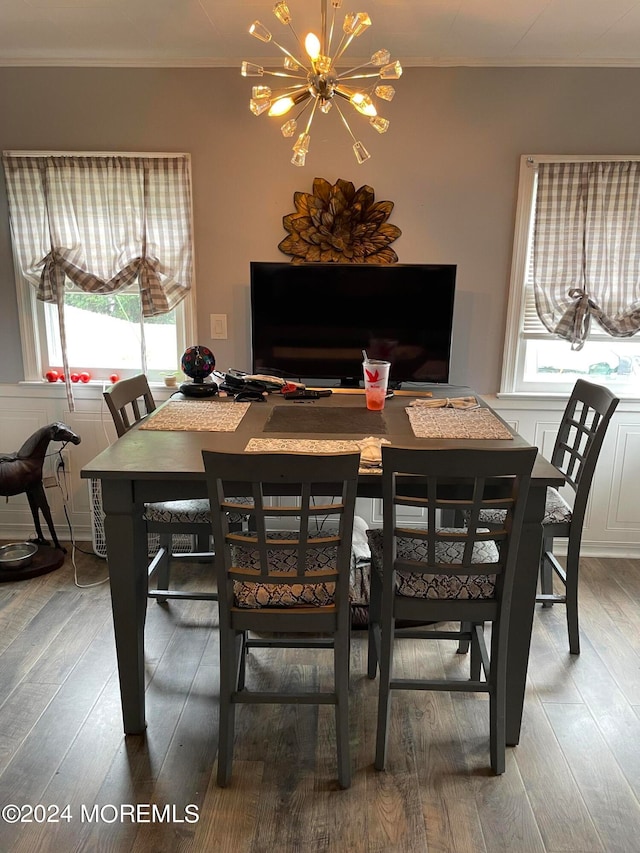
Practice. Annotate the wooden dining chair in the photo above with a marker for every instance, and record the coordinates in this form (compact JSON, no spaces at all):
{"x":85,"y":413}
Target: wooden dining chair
{"x":425,"y":576}
{"x":576,"y":450}
{"x":575,"y":453}
{"x":284,"y":581}
{"x":130,"y":401}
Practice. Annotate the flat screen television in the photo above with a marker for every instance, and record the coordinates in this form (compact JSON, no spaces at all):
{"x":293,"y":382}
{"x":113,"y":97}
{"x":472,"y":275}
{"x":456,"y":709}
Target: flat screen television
{"x":312,"y":321}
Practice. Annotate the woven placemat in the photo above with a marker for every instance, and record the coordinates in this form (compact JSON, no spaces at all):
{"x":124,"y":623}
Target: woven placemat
{"x":198,"y":416}
{"x":456,"y":423}
{"x":300,"y":445}
{"x":306,"y":445}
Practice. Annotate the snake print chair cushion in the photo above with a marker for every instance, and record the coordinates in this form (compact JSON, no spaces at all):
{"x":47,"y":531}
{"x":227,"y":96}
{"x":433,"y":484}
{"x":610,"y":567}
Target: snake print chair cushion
{"x":256,"y":595}
{"x":418,"y":585}
{"x":187,"y":512}
{"x":556,"y":511}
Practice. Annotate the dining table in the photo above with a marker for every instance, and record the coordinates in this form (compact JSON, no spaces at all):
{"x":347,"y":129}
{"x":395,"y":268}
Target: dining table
{"x":161,"y":459}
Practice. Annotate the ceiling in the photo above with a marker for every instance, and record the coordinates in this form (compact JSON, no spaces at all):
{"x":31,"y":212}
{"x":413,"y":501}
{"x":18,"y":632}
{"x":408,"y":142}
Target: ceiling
{"x":418,"y":32}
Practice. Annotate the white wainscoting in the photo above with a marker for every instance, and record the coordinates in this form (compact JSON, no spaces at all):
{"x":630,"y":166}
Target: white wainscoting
{"x":26,"y":407}
{"x":612,"y":522}
{"x":612,"y":526}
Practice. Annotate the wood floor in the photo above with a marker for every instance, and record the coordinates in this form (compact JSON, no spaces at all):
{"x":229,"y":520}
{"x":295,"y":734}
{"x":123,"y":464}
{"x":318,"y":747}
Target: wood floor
{"x":571,"y":786}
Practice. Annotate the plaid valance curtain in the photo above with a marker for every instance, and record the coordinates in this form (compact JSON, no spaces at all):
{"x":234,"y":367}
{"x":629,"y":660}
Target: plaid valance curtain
{"x":586,"y":248}
{"x":102,"y":223}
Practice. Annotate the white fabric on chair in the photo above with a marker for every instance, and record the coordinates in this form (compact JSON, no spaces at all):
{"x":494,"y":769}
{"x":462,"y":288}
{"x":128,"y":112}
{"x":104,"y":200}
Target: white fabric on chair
{"x":556,"y":511}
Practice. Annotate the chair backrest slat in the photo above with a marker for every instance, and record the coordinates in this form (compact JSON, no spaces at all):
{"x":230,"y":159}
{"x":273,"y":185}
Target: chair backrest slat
{"x":486,"y":478}
{"x":580,"y":436}
{"x":307,"y":482}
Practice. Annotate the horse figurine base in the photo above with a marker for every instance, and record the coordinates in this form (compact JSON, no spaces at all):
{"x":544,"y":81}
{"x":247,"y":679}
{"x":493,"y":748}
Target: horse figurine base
{"x":46,"y":559}
{"x":21,"y":471}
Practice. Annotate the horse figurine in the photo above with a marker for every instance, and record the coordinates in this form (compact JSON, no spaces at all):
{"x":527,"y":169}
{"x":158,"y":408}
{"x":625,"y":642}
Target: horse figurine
{"x":21,"y":471}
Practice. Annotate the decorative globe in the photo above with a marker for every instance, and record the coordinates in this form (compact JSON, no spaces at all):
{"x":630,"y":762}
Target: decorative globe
{"x":198,"y":363}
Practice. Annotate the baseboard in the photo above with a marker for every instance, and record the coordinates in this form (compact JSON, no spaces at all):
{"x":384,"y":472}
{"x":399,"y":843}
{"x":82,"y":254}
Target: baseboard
{"x":25,"y":532}
{"x":620,"y":550}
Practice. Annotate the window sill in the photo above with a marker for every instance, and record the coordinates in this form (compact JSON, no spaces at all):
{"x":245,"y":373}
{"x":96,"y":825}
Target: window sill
{"x":546,"y":400}
{"x":81,"y":390}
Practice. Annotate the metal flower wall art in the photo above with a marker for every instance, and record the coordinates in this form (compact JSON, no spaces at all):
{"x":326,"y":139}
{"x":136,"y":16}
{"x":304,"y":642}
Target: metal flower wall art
{"x":337,"y":223}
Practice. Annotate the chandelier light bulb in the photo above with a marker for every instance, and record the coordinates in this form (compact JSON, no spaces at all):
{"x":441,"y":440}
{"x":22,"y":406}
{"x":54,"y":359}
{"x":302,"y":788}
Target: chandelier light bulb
{"x":363,"y":104}
{"x":281,"y":106}
{"x":312,"y":46}
{"x":317,"y":74}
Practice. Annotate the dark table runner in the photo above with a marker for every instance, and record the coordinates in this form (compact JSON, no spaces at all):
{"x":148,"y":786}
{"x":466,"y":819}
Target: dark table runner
{"x":312,"y":418}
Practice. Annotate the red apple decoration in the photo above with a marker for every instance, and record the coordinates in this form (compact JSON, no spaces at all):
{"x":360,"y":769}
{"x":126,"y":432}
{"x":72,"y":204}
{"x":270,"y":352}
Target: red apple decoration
{"x":61,"y":377}
{"x":75,"y":377}
{"x":114,"y":378}
{"x":51,"y":375}
{"x":85,"y":377}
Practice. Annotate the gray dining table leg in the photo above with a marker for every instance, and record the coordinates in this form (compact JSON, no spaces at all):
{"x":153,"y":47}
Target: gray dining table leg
{"x":127,"y":548}
{"x":523,"y":610}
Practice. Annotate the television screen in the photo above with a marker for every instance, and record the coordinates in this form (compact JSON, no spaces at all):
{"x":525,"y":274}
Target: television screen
{"x":312,"y":321}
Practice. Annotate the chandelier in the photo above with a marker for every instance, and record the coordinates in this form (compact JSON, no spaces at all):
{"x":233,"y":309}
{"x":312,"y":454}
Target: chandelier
{"x":315,"y":81}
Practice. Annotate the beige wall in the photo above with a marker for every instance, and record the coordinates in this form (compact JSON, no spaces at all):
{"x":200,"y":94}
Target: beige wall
{"x":449,"y":163}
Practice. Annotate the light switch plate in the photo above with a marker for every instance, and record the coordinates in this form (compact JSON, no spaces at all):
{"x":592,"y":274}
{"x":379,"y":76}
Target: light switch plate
{"x":218,"y":326}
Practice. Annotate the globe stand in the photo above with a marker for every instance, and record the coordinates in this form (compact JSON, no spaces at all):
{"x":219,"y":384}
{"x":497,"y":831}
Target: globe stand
{"x":198,"y":363}
{"x":199,"y":388}
{"x":46,"y":559}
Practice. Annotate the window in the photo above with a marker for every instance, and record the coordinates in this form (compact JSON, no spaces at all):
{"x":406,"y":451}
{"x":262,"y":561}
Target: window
{"x":535,"y":359}
{"x":91,"y":318}
{"x":116,"y":231}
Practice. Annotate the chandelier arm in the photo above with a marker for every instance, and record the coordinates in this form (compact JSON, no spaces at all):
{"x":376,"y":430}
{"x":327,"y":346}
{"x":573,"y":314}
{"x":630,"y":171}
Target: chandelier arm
{"x":333,"y":23}
{"x":283,"y":93}
{"x":280,"y":106}
{"x":296,"y":59}
{"x":344,"y":44}
{"x":323,"y":26}
{"x":344,"y":121}
{"x":284,"y":74}
{"x":296,"y":37}
{"x":341,"y":49}
{"x":313,"y":112}
{"x":306,"y":105}
{"x":343,"y":75}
